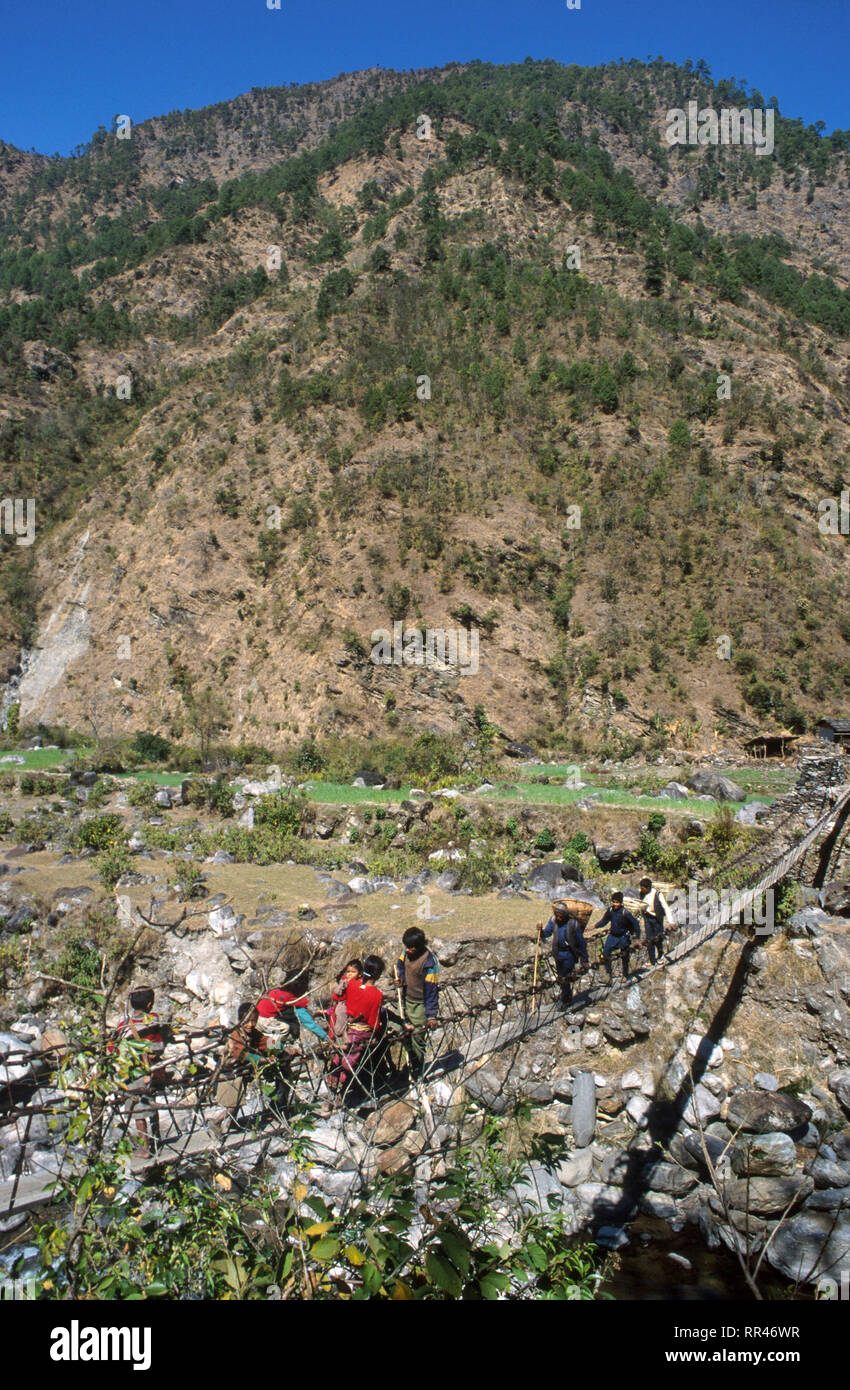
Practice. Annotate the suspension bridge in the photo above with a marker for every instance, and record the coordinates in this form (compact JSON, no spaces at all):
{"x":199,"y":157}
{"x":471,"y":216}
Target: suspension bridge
{"x":480,"y":1014}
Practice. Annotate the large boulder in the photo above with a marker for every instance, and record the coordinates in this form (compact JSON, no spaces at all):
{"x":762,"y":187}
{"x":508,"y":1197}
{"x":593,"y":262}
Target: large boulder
{"x":826,"y":1173}
{"x":767,"y":1112}
{"x":707,"y":783}
{"x":545,"y":876}
{"x":835,"y":898}
{"x":811,"y":1245}
{"x":765,"y":1155}
{"x":625,"y":1019}
{"x":537,"y":1191}
{"x":613,"y":854}
{"x":670,"y":1178}
{"x":762,"y":1196}
{"x":576,"y":1169}
{"x":674,"y":791}
{"x":366,"y":778}
{"x":387,"y":1126}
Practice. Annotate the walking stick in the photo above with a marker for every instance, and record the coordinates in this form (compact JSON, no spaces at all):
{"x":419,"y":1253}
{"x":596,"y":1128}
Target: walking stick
{"x":404,"y":1034}
{"x":536,"y":960}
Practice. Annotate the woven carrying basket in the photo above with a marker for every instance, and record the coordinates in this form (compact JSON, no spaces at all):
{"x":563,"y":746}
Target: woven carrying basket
{"x":576,"y":907}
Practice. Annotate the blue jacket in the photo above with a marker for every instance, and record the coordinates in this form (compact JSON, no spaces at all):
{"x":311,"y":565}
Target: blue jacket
{"x":566,"y":956}
{"x":623,"y":922}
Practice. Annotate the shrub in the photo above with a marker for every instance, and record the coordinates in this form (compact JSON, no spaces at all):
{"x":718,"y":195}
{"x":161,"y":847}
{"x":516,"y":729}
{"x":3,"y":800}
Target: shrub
{"x":285,"y":811}
{"x":544,"y":841}
{"x":102,"y":832}
{"x":113,"y":863}
{"x":151,"y":748}
{"x":141,"y":794}
{"x":579,"y":844}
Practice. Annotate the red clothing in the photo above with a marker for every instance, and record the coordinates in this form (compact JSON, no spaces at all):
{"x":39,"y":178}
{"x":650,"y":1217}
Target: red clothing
{"x":137,"y":1024}
{"x":276,"y":1001}
{"x":363,"y":1003}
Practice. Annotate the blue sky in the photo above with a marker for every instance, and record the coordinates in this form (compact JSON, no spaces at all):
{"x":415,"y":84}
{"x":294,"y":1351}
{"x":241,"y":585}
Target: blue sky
{"x":69,"y":68}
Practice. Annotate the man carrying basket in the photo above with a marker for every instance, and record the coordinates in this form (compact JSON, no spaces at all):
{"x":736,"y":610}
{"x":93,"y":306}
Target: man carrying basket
{"x":566,"y":927}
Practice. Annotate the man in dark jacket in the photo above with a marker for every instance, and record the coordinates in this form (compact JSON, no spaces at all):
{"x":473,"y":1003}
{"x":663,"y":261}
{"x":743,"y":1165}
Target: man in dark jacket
{"x":624,"y":926}
{"x":569,"y":947}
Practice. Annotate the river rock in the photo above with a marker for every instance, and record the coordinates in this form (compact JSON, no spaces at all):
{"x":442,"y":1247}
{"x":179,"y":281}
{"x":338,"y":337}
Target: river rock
{"x":584,"y":1109}
{"x":605,"y":1202}
{"x":669,"y":1178}
{"x":387,"y":1126}
{"x":828,"y":1199}
{"x":537,"y":1190}
{"x":625,"y":1019}
{"x":810,"y":1245}
{"x":638,"y":1108}
{"x":487,"y":1087}
{"x":763,"y":1196}
{"x":764,"y":1155}
{"x":841,"y":1145}
{"x":828,"y":1174}
{"x":576,"y":1169}
{"x":661,"y":1206}
{"x":763,"y":1112}
{"x":716,"y":1147}
{"x":223,"y":921}
{"x":839,"y":1084}
{"x":702,"y":1106}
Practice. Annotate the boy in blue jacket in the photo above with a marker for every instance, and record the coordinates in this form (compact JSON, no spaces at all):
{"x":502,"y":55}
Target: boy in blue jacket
{"x":624,"y":926}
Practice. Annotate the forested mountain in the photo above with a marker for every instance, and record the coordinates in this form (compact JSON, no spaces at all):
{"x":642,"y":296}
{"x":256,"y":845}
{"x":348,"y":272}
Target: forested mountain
{"x":281,"y":372}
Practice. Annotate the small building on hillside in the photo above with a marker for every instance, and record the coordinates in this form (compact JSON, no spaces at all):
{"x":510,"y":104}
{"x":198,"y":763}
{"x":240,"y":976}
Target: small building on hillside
{"x":770,"y":745}
{"x":835,"y":731}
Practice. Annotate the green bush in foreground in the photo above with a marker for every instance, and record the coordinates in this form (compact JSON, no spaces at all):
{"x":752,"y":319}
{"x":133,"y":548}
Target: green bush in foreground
{"x":218,"y":1235}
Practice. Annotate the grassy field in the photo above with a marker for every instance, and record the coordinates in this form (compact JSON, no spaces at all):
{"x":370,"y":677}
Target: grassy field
{"x":610,"y":789}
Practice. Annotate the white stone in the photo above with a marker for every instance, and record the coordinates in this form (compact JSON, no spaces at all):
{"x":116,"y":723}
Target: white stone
{"x":631,"y":1081}
{"x":697,"y":1043}
{"x":198,"y":983}
{"x":701,"y":1107}
{"x":576,"y":1169}
{"x":638,"y":1108}
{"x":591,"y":1038}
{"x":222,"y":921}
